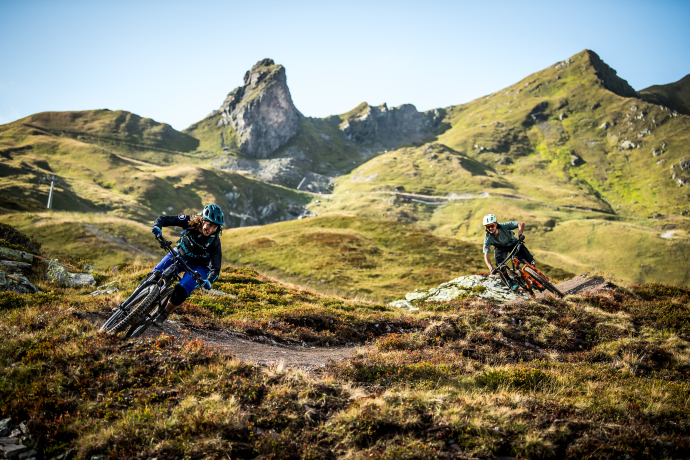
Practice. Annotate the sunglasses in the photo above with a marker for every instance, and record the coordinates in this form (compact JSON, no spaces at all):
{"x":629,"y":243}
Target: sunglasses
{"x":490,"y":226}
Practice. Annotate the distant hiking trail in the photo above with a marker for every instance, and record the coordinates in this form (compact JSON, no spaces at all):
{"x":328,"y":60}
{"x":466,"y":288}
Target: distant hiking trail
{"x":308,"y":358}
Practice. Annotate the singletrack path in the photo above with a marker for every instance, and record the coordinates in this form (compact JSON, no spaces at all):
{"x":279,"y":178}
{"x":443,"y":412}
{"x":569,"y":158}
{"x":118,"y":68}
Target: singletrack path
{"x":260,"y":350}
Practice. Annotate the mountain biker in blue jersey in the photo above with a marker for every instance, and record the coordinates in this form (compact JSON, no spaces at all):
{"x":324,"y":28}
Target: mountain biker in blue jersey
{"x":199,"y":246}
{"x":502,"y":238}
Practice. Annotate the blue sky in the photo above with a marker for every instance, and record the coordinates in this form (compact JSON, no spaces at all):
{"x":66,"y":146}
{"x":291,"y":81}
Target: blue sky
{"x":176,"y":61}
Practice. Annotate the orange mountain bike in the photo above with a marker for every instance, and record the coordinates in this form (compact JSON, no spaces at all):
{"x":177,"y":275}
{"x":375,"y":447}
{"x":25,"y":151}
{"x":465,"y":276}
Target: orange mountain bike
{"x":525,"y":275}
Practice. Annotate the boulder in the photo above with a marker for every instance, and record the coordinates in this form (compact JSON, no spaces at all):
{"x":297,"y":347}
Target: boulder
{"x":9,"y":253}
{"x":627,"y":145}
{"x":685,"y":164}
{"x":58,"y":274}
{"x":576,"y":160}
{"x":10,"y":264}
{"x":16,"y":282}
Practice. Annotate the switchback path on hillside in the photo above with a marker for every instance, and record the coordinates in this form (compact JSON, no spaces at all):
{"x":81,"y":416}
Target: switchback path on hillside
{"x":263,"y":351}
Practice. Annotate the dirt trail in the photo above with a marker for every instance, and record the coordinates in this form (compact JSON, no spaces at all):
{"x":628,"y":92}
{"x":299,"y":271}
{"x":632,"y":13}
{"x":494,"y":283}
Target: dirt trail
{"x":244,"y":349}
{"x":579,"y":285}
{"x":261,"y":350}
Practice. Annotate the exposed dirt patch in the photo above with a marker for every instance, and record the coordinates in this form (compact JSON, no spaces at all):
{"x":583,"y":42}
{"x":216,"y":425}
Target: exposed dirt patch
{"x":256,"y":350}
{"x":579,"y":285}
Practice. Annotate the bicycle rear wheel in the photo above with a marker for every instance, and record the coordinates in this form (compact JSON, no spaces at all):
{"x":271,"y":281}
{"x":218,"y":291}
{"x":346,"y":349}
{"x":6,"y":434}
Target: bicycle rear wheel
{"x":543,"y":281}
{"x":140,"y":307}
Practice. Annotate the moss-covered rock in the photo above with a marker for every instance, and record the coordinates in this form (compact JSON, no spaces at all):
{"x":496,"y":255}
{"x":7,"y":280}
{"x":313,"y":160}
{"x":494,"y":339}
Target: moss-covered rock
{"x":58,"y":274}
{"x":460,"y":288}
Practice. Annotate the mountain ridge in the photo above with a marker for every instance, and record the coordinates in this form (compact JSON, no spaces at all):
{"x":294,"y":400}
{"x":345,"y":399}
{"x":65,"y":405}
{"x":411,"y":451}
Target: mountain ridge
{"x":675,"y":95}
{"x":569,"y":144}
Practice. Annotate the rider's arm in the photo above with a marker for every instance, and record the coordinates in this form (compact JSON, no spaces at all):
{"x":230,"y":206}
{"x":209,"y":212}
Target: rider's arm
{"x":172,"y":221}
{"x":521,"y":228}
{"x":487,"y":259}
{"x":487,"y":251}
{"x":216,"y":260}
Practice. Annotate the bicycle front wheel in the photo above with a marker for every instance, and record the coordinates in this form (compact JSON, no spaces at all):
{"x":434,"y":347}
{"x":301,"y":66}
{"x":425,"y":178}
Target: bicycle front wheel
{"x":139,"y":308}
{"x":543,"y":281}
{"x":115,"y":318}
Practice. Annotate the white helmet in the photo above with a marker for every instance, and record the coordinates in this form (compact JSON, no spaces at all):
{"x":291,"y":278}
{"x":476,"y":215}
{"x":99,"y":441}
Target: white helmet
{"x":490,"y":219}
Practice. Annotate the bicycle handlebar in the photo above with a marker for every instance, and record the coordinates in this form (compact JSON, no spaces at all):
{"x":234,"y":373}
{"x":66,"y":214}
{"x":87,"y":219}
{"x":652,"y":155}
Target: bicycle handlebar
{"x":167,"y":245}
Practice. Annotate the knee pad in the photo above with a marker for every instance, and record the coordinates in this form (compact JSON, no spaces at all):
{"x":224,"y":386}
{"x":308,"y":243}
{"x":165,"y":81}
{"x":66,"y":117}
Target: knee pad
{"x":179,"y":295}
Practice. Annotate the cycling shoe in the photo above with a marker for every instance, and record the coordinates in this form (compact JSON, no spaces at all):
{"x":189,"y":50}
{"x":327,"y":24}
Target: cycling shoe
{"x":160,"y":318}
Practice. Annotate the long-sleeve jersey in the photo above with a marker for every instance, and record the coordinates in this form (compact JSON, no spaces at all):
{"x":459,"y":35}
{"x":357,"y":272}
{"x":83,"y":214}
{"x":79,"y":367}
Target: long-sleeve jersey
{"x":194,"y":247}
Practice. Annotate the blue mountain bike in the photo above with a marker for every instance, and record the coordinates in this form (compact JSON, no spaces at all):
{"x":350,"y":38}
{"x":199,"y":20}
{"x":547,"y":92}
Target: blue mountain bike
{"x":136,"y":314}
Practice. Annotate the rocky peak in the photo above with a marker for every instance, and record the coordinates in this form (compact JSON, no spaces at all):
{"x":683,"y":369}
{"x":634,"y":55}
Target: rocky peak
{"x":388,"y":127}
{"x":261,"y":111}
{"x":608,"y":76}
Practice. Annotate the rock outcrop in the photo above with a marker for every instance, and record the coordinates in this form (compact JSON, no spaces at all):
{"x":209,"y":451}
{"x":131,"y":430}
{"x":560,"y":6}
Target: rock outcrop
{"x":389,"y":127}
{"x":14,"y":265}
{"x":283,"y":171}
{"x":460,"y":288}
{"x":58,"y":274}
{"x":609,"y":77}
{"x":261,"y":111}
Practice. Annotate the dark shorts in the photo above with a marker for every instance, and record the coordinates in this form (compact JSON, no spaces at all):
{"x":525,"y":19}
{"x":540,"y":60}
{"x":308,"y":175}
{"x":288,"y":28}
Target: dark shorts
{"x":500,"y":254}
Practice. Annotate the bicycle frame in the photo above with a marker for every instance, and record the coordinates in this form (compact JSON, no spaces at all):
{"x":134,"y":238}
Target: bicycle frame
{"x":164,"y":280}
{"x":524,"y":279}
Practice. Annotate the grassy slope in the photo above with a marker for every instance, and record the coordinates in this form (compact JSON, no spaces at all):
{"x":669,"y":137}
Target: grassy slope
{"x":374,"y":258}
{"x":453,"y":378}
{"x":622,"y":187}
{"x":100,"y":178}
{"x":675,"y":95}
{"x":630,"y":181}
{"x":114,"y":126}
{"x":209,"y":136}
{"x":101,"y":239}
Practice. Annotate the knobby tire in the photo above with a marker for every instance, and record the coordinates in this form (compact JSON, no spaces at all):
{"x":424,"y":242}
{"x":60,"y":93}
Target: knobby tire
{"x":140,"y":307}
{"x":544,"y":282}
{"x":115,"y":318}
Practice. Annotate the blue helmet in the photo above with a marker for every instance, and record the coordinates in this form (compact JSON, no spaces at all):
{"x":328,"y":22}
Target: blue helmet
{"x":213,"y":214}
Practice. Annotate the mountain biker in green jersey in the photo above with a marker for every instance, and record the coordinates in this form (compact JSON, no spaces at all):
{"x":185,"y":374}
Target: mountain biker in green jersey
{"x":502,"y":238}
{"x":199,"y":246}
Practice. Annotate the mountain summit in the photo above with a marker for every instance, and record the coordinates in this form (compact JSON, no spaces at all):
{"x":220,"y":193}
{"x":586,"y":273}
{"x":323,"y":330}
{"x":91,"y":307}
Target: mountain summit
{"x":261,"y":112}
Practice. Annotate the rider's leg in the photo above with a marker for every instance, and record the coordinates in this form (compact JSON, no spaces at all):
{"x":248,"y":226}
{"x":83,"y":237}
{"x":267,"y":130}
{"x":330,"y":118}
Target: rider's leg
{"x":183,"y":290}
{"x":163,"y":264}
{"x":524,"y":254}
{"x":500,"y":257}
